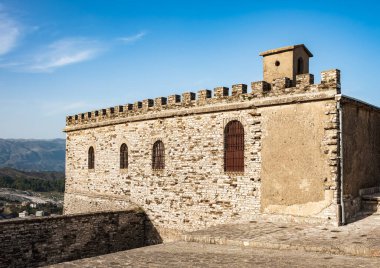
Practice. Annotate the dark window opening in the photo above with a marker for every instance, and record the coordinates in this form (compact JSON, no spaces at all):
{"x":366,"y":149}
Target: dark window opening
{"x":300,"y":66}
{"x":158,"y":156}
{"x":123,"y":156}
{"x":234,"y":147}
{"x":91,"y":158}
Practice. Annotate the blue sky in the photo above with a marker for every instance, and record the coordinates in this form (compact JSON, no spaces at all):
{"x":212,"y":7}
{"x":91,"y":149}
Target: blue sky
{"x":61,"y":57}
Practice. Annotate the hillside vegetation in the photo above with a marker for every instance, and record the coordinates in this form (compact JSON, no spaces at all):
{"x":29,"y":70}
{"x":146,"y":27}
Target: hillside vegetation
{"x":32,"y":181}
{"x":36,"y":155}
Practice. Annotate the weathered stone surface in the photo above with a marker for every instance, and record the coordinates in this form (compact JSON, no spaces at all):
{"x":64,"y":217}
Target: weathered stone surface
{"x":192,"y":191}
{"x":361,"y":238}
{"x":361,"y":151}
{"x":45,"y":240}
{"x":181,"y":254}
{"x":292,"y":161}
{"x":285,"y":62}
{"x":295,"y":179}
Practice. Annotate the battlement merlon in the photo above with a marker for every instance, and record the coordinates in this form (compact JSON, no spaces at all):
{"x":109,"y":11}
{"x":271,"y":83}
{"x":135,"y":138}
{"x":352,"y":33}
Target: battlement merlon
{"x":260,"y":90}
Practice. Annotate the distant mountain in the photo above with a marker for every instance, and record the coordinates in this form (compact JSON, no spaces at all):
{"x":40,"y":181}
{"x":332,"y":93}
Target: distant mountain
{"x":45,"y":181}
{"x":33,"y":155}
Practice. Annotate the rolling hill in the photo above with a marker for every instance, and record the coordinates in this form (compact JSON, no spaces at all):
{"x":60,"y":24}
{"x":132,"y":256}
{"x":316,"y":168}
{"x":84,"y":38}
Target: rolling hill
{"x":33,"y":155}
{"x":45,"y":181}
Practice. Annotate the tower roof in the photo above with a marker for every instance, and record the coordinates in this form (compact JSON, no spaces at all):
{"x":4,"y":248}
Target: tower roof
{"x":283,"y":49}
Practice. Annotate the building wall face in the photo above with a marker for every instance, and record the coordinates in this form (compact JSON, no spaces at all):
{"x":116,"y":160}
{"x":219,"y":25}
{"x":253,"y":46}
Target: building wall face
{"x":288,"y":131}
{"x":297,"y":176}
{"x":288,"y":64}
{"x":361,"y":151}
{"x":285,"y":69}
{"x":192,"y":192}
{"x":300,"y":53}
{"x":287,"y":167}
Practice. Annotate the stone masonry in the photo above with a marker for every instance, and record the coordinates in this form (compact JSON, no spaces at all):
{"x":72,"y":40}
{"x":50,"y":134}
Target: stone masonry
{"x":34,"y":242}
{"x":292,"y":166}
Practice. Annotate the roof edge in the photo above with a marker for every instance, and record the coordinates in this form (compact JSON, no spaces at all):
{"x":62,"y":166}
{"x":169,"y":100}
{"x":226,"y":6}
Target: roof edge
{"x":284,"y":49}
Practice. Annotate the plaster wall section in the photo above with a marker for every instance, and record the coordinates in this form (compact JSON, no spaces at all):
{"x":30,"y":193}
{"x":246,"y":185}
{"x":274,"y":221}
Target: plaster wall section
{"x":284,"y":69}
{"x":299,"y":160}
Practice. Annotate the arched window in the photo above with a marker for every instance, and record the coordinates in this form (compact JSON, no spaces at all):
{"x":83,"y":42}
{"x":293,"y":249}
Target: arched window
{"x":123,"y":156}
{"x":91,"y":158}
{"x":158,"y":155}
{"x":234,"y":147}
{"x":300,"y":65}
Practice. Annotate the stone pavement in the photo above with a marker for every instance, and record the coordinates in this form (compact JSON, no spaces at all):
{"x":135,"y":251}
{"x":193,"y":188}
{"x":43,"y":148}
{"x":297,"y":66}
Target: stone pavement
{"x":187,"y":254}
{"x":361,"y":238}
{"x":257,"y":244}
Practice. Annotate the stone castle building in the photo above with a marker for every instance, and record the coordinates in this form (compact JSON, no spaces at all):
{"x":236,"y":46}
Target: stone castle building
{"x":285,"y":149}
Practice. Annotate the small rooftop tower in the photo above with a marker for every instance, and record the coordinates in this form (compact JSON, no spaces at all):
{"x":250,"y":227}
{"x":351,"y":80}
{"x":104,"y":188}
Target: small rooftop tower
{"x":285,"y":62}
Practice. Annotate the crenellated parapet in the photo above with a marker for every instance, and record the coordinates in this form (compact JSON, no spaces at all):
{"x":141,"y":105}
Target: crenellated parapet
{"x":303,"y":84}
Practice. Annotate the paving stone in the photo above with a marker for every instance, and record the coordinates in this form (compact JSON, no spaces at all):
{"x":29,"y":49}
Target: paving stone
{"x":361,"y":238}
{"x":184,"y":254}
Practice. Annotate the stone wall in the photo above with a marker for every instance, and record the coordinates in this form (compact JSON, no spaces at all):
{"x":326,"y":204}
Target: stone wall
{"x":361,"y":151}
{"x":40,"y":241}
{"x":193,"y":191}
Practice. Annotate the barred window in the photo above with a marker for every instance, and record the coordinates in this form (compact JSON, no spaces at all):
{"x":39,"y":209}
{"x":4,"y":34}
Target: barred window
{"x":158,"y":155}
{"x":91,"y":158}
{"x":123,"y":156}
{"x":234,"y":147}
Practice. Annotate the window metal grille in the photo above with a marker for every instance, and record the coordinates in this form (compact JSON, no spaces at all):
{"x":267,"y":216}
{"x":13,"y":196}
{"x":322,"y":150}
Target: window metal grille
{"x":91,"y":158}
{"x":234,"y":147}
{"x":158,"y":156}
{"x":123,"y":156}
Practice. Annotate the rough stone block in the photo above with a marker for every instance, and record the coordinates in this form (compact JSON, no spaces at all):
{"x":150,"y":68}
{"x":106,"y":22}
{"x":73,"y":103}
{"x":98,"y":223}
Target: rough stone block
{"x":239,"y":89}
{"x":303,"y":80}
{"x":158,"y":102}
{"x":147,"y":103}
{"x":280,"y":84}
{"x":204,"y":94}
{"x":137,"y":105}
{"x":260,"y":87}
{"x":220,"y":92}
{"x":331,"y":78}
{"x":173,"y":100}
{"x":187,"y":97}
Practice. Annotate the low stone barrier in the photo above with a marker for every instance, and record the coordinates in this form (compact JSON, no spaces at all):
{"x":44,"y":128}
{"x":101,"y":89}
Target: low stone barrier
{"x":40,"y":241}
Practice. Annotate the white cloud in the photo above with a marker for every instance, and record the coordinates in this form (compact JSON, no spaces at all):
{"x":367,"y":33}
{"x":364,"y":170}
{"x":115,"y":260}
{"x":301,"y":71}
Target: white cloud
{"x":48,"y":58}
{"x":58,"y":107}
{"x":74,"y":106}
{"x":132,"y":38}
{"x":62,"y":53}
{"x":9,"y":33}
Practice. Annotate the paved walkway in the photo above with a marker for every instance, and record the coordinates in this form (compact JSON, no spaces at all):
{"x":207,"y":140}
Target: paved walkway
{"x":185,"y":254}
{"x":257,"y":244}
{"x":361,"y":238}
